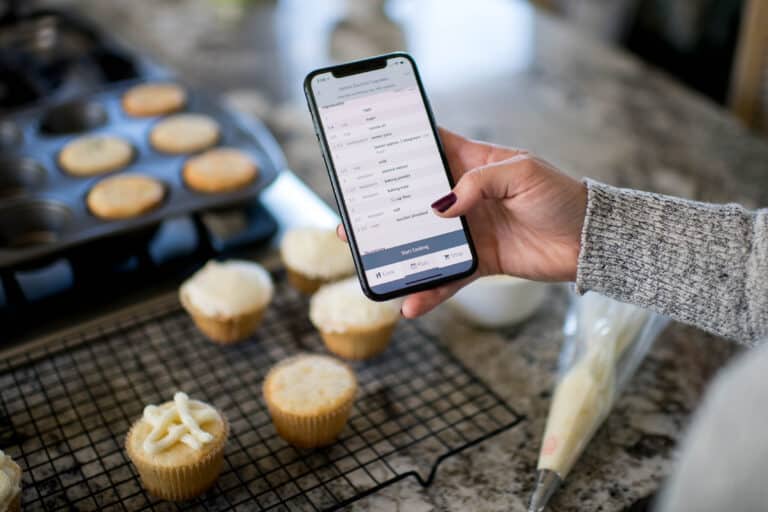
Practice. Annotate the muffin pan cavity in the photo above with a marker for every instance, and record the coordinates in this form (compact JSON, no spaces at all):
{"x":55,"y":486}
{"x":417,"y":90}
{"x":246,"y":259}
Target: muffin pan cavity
{"x":32,"y":223}
{"x":10,"y":134}
{"x":20,"y":175}
{"x":73,"y":117}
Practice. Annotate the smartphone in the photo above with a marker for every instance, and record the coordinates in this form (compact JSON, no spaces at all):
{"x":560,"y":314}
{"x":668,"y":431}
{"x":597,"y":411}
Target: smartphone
{"x":387,"y":165}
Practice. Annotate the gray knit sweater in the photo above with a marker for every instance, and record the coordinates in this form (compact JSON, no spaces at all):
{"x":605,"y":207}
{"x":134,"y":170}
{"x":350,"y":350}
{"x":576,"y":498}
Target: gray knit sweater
{"x":705,"y":265}
{"x":699,"y":263}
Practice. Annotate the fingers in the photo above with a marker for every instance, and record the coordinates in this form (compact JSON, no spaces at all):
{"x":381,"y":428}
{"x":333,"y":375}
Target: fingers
{"x":452,"y":142}
{"x":501,"y":180}
{"x":420,"y":303}
{"x":341,"y":233}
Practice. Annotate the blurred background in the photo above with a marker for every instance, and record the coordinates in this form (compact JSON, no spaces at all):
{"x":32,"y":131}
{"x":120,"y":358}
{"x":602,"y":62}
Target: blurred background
{"x":715,"y":47}
{"x":663,"y":95}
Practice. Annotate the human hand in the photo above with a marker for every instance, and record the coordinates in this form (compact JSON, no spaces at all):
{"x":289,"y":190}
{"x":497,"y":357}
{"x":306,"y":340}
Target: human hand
{"x":524,"y":215}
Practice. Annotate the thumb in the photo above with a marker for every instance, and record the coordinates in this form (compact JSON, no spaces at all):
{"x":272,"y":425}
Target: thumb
{"x":495,"y":181}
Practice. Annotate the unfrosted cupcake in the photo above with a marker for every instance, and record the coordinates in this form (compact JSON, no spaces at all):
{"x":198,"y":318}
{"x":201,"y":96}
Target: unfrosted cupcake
{"x":309,"y":398}
{"x":352,"y":325}
{"x":315,"y":256}
{"x":10,"y":484}
{"x":178,"y":447}
{"x":227,"y":299}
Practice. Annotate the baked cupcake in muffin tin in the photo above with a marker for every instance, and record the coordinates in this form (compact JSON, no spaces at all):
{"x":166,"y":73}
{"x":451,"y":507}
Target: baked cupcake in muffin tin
{"x":125,"y":196}
{"x":184,"y":133}
{"x":92,"y":155}
{"x":220,"y":170}
{"x":153,"y":99}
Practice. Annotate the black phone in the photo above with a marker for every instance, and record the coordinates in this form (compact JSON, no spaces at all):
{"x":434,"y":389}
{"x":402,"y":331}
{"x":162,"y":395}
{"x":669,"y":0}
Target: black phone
{"x":387,"y":165}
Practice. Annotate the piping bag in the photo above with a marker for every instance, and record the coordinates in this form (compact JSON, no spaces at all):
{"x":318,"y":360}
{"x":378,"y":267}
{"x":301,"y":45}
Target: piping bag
{"x":605,"y":342}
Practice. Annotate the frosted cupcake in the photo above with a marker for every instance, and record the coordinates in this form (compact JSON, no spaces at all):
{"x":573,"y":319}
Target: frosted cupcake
{"x":10,"y":484}
{"x":227,"y":299}
{"x":313,"y":257}
{"x":351,"y":325}
{"x":309,"y":398}
{"x":178,"y":447}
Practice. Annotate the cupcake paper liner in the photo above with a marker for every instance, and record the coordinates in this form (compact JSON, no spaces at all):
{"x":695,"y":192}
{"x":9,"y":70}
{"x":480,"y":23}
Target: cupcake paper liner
{"x":310,"y":431}
{"x":305,"y":284}
{"x":15,"y":504}
{"x":179,"y":483}
{"x":225,"y":330}
{"x":358,"y":344}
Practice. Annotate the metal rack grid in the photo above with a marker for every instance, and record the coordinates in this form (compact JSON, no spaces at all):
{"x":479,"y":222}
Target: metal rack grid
{"x":66,"y":405}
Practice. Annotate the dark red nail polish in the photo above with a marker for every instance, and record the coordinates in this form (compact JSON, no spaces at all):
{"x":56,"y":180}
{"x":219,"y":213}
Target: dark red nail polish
{"x":444,"y":202}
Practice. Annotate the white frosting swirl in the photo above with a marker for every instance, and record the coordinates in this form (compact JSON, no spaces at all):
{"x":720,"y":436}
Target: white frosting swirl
{"x":316,"y":253}
{"x":178,"y":422}
{"x":341,"y":306}
{"x":229,"y":288}
{"x":9,"y":480}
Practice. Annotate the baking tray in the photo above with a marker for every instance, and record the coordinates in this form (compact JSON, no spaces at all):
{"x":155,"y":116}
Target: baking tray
{"x":43,"y":211}
{"x":67,"y":401}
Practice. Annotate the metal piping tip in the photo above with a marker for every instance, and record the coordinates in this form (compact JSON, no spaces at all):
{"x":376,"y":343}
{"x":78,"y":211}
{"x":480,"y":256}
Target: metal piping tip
{"x":547,"y":484}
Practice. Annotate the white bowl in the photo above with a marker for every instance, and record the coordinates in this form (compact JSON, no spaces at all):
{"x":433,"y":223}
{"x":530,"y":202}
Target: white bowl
{"x":497,"y":301}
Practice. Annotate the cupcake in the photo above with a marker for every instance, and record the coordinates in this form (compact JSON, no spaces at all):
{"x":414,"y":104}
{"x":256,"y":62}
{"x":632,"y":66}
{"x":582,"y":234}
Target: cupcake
{"x":184,"y":133}
{"x":178,"y":447}
{"x":314,"y":257}
{"x":10,"y":484}
{"x":227,"y":299}
{"x":220,"y":170}
{"x":309,"y":398}
{"x":153,"y":99}
{"x":92,"y":155}
{"x":352,"y":325}
{"x":125,"y":196}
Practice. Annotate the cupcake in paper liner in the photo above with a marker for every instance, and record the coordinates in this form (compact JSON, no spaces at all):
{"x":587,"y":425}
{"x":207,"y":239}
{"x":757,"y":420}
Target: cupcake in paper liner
{"x":310,"y":398}
{"x":314,"y":257}
{"x":178,"y":447}
{"x":352,"y":325}
{"x":10,"y":484}
{"x":227,"y":299}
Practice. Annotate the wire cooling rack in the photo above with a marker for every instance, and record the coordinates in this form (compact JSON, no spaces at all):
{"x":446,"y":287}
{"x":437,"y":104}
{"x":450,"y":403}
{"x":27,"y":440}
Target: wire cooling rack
{"x":66,"y":405}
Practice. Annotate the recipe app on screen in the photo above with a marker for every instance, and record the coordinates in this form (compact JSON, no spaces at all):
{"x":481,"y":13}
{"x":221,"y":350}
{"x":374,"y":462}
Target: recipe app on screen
{"x":389,"y":169}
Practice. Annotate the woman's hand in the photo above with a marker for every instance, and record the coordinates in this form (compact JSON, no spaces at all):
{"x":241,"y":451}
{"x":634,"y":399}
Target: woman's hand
{"x":524,"y":215}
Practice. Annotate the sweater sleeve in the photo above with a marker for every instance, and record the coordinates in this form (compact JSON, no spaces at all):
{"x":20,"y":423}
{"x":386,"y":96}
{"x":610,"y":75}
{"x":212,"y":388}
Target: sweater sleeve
{"x":699,"y":263}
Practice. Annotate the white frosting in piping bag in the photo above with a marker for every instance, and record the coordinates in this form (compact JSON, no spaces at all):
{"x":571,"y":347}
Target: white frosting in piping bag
{"x":586,"y":392}
{"x":177,"y":422}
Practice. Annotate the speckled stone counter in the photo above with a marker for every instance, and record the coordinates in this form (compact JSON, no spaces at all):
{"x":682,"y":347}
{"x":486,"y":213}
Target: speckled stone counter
{"x":500,"y":72}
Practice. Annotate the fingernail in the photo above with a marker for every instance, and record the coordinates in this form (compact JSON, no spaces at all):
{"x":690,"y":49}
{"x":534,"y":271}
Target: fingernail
{"x":444,"y":202}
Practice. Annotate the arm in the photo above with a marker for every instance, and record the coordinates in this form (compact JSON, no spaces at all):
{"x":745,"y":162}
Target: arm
{"x":699,"y":263}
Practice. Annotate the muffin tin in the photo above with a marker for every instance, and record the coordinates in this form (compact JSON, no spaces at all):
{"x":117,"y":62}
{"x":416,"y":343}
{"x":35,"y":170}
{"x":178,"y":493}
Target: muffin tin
{"x":43,"y":209}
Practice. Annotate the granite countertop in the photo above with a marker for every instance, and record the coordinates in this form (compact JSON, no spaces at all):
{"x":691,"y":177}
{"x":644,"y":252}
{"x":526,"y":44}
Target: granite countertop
{"x":504,"y":73}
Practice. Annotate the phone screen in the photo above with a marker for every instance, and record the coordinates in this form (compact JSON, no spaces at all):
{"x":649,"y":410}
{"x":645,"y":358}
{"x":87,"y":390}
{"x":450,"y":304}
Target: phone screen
{"x":389,"y":170}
